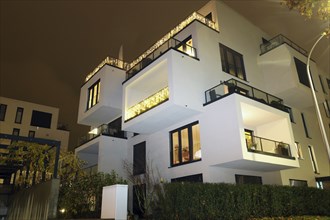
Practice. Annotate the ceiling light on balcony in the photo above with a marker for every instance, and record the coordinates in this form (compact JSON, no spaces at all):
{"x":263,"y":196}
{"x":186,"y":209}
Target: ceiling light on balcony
{"x":93,"y":131}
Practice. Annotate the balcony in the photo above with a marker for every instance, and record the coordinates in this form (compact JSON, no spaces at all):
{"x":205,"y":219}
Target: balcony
{"x":103,"y":149}
{"x":266,"y":146}
{"x":101,"y":96}
{"x":283,"y":64}
{"x":105,"y":130}
{"x":278,"y":41}
{"x":159,"y":94}
{"x":233,"y":86}
{"x":169,"y":44}
{"x":231,"y":112}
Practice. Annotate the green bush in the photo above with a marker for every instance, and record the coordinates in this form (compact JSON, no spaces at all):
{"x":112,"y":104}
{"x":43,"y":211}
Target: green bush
{"x":194,"y":201}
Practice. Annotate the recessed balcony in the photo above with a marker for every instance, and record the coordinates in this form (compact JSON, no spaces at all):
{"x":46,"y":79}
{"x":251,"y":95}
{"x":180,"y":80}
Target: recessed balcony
{"x":283,"y":64}
{"x":234,"y":112}
{"x":101,"y":96}
{"x":159,"y":95}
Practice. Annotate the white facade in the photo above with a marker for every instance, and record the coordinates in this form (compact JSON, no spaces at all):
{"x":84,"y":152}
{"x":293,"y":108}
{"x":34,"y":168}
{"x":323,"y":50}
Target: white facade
{"x":173,"y":91}
{"x":32,"y":120}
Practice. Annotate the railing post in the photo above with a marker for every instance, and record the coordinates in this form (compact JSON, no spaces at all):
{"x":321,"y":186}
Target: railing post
{"x":262,"y":149}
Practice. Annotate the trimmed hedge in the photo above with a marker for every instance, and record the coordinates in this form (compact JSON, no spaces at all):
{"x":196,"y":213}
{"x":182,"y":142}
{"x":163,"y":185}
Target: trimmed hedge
{"x":196,"y":201}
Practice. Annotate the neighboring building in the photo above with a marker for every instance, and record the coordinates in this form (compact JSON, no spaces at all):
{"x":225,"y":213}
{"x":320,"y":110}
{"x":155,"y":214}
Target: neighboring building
{"x":215,"y":100}
{"x":31,"y":120}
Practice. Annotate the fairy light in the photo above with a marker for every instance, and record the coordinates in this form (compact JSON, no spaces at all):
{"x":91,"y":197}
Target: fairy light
{"x":126,"y":66}
{"x":147,"y":103}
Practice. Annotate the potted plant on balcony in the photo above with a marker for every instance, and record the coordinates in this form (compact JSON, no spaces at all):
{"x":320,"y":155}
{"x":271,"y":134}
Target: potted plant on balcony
{"x":282,"y":149}
{"x":252,"y":146}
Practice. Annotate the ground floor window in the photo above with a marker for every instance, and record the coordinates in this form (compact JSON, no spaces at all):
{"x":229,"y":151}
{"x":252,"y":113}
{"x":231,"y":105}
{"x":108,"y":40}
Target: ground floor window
{"x":245,"y":179}
{"x":192,"y":178}
{"x":185,"y":144}
{"x":294,"y":182}
{"x":139,"y":192}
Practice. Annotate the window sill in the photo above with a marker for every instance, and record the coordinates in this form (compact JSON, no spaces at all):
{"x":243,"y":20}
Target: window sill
{"x":184,"y":163}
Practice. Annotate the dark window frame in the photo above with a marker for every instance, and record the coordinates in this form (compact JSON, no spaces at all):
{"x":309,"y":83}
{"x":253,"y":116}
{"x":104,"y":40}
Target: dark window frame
{"x":301,"y":183}
{"x":16,"y":131}
{"x":180,"y":151}
{"x":93,"y":94}
{"x":31,"y":134}
{"x":19,"y":115}
{"x":305,"y":125}
{"x":289,"y":110}
{"x":195,"y":178}
{"x":313,"y":159}
{"x":301,"y":68}
{"x":248,"y":179}
{"x":322,"y":85}
{"x":326,"y":106}
{"x":41,"y":119}
{"x":237,"y":60}
{"x":139,"y":158}
{"x":3,"y":110}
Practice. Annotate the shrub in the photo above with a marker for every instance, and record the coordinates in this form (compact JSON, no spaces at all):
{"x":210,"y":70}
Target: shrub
{"x":194,"y":201}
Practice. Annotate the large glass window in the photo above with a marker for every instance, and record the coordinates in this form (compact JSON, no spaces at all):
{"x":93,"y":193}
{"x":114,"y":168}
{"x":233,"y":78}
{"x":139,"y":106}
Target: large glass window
{"x":139,"y":158}
{"x":19,"y":115}
{"x":302,"y":73}
{"x":3,"y":109}
{"x":185,"y":144}
{"x":232,"y":62}
{"x":41,"y":119}
{"x":93,"y":95}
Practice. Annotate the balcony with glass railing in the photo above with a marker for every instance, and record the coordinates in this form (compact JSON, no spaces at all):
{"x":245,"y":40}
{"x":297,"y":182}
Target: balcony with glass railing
{"x":267,"y":146}
{"x":167,"y":45}
{"x":278,"y":41}
{"x":233,"y":86}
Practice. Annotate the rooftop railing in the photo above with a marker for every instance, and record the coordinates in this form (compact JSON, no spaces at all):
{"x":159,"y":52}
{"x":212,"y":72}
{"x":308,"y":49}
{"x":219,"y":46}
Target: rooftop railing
{"x":104,"y":129}
{"x":128,"y":66}
{"x":234,"y":86}
{"x":279,"y":40}
{"x":266,"y":146}
{"x":110,"y":61}
{"x":169,"y":44}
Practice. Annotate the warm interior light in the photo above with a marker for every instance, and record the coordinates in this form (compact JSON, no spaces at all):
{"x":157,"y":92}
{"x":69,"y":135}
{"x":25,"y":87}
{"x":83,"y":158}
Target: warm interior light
{"x":93,"y":131}
{"x":62,"y":210}
{"x":147,"y":103}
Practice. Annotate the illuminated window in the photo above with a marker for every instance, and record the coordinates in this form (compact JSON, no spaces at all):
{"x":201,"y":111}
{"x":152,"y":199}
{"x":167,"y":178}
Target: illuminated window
{"x":186,"y":46}
{"x":250,"y":143}
{"x":232,"y":62}
{"x":185,"y":144}
{"x":299,"y":151}
{"x":19,"y":115}
{"x":3,"y":109}
{"x":313,"y":159}
{"x":93,"y":95}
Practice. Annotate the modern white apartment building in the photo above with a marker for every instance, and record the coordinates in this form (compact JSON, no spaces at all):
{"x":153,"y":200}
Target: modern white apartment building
{"x":215,"y":100}
{"x":31,"y":120}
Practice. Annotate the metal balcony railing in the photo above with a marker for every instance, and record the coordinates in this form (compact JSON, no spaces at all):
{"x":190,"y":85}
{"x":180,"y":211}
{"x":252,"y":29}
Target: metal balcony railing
{"x":263,"y":145}
{"x":234,"y":86}
{"x":104,"y":129}
{"x":169,"y":44}
{"x":279,"y":40}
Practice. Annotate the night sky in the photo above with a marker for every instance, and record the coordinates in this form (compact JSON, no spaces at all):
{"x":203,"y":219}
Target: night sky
{"x":48,"y":47}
